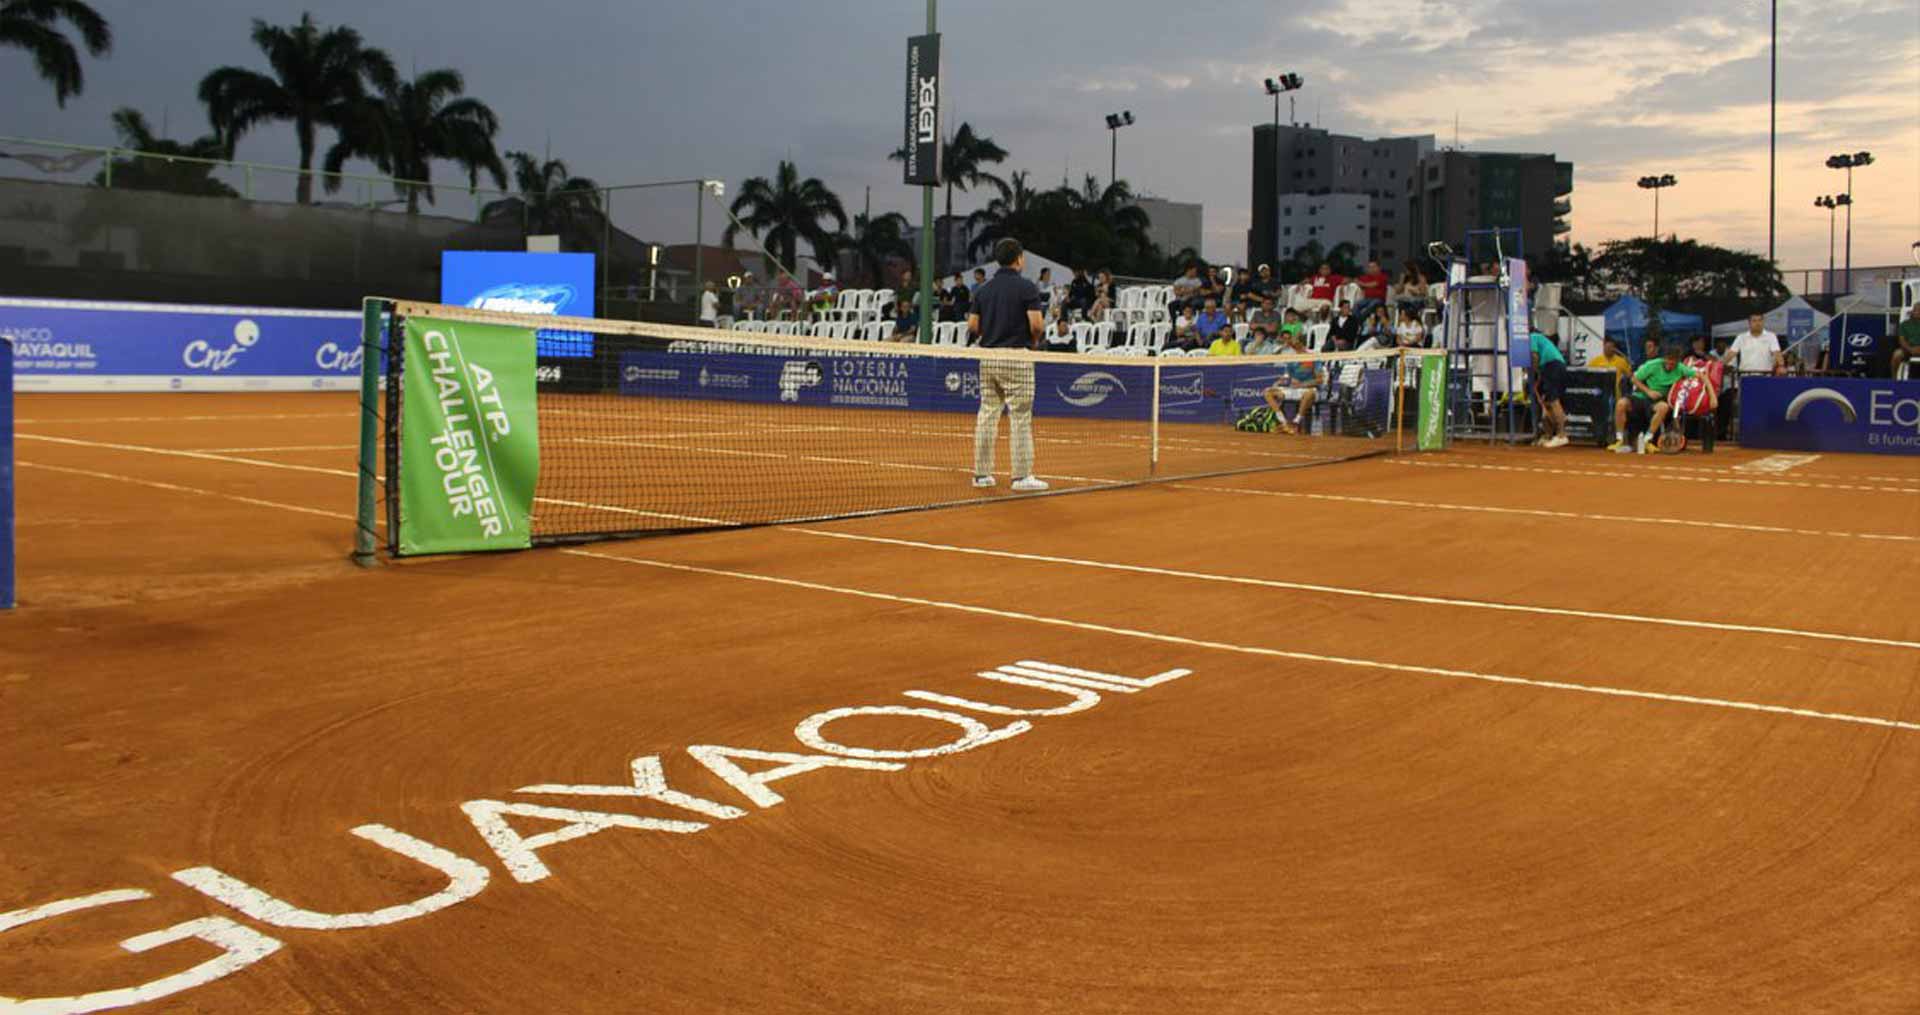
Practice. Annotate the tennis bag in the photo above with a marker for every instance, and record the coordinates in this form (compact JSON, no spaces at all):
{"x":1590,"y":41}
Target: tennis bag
{"x":1692,"y":396}
{"x":1260,"y":420}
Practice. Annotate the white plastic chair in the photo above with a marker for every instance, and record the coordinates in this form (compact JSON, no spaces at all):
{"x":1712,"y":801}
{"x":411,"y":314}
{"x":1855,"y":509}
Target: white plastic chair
{"x":1241,"y":331}
{"x":1082,"y":337}
{"x":1158,"y":335}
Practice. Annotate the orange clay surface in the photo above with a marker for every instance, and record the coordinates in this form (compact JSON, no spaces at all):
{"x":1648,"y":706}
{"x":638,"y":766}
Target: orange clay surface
{"x":1478,"y":731}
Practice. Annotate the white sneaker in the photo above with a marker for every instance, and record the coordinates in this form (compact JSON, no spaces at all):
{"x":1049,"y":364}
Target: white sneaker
{"x":1028,"y":484}
{"x":1558,"y":440}
{"x":983,"y":482}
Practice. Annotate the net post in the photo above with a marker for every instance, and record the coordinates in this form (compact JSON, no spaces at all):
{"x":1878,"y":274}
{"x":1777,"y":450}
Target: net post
{"x":1399,"y":403}
{"x":1153,"y":442}
{"x":365,"y":519}
{"x":6,"y":472}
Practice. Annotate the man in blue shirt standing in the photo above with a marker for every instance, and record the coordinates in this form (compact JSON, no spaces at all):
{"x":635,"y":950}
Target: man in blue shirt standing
{"x":1006,"y":315}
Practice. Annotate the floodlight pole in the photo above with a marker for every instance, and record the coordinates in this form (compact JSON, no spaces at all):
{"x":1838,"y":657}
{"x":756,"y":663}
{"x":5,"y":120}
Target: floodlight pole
{"x":699,"y":238}
{"x":1849,"y":275}
{"x":1773,"y":120}
{"x":926,"y":223}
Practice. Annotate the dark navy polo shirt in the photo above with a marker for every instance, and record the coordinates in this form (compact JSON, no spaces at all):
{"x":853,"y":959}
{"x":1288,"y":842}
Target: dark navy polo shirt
{"x":1002,"y":304}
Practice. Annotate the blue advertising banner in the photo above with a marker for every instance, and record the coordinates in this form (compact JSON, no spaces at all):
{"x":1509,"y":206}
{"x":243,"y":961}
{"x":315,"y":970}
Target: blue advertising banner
{"x":1799,"y":323}
{"x":1213,"y":392}
{"x":70,"y":345}
{"x":1830,"y":414}
{"x":524,"y":283}
{"x":1852,"y":340}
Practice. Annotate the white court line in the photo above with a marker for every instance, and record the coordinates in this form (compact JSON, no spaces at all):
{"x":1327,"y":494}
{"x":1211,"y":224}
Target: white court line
{"x":1645,"y":475}
{"x":177,"y":453}
{"x":1543,"y":513}
{"x":287,"y":447}
{"x":1258,"y":650}
{"x":1730,"y":472}
{"x":1336,"y":590}
{"x":185,"y":489}
{"x":190,"y":419}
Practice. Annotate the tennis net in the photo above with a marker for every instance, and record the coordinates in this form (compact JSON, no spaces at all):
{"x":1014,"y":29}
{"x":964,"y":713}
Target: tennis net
{"x":646,"y":428}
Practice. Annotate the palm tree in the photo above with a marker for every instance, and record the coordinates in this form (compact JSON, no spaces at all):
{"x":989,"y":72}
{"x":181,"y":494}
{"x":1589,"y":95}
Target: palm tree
{"x":1114,"y":204}
{"x":316,"y":82}
{"x":1002,"y":217}
{"x":875,"y":240}
{"x":787,"y":209}
{"x":551,"y":198}
{"x":409,"y":124}
{"x":151,"y":170}
{"x":33,"y":25}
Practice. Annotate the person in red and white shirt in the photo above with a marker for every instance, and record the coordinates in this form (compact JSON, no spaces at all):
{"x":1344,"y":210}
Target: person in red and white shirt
{"x":1321,"y":289}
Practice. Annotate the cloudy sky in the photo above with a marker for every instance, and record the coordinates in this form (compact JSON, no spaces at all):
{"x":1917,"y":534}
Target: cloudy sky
{"x":647,"y":90}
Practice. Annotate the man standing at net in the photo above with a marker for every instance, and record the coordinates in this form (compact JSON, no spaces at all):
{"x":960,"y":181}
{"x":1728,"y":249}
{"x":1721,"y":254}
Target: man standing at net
{"x":1005,"y":314}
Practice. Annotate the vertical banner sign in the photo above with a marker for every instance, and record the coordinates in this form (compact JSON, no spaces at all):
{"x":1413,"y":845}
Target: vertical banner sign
{"x":1519,"y":321}
{"x":922,"y":139}
{"x":469,"y":442}
{"x":1433,"y":403}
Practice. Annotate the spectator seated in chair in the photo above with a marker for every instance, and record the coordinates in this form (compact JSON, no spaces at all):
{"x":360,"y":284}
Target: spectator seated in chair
{"x":1906,"y":344}
{"x":1374,"y":285}
{"x":1224,"y":343}
{"x":1610,"y":359}
{"x":1322,"y":288}
{"x":1211,"y":319}
{"x":1652,"y":383}
{"x":906,"y":323}
{"x":1186,"y":288}
{"x":1260,"y":341}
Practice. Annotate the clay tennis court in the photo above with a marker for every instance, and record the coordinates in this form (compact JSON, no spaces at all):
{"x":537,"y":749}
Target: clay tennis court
{"x":1481,"y":730}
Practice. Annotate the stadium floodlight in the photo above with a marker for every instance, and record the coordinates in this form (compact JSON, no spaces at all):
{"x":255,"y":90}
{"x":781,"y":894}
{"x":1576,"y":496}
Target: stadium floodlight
{"x":1115,"y":121}
{"x":1831,"y":203}
{"x":1849,"y":162}
{"x":1277,"y":86}
{"x":715,"y":187}
{"x":1656,"y":184}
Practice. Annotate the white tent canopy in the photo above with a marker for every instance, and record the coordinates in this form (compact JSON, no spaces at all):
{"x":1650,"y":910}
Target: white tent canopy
{"x":1776,"y":320}
{"x":1061,"y":273}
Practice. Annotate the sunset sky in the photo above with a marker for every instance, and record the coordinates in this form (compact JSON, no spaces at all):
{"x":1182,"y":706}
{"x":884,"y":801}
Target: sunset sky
{"x":644,"y":91}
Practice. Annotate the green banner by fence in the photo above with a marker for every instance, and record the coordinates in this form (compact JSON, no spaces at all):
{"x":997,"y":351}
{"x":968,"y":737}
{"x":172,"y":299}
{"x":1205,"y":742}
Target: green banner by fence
{"x":469,"y":440}
{"x":1433,"y":403}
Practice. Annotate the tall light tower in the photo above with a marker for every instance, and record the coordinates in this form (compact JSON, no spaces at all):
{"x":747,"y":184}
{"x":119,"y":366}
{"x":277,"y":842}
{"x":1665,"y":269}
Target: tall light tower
{"x":1656,"y":184}
{"x":1115,"y":121}
{"x":1830,"y":203}
{"x":1284,"y":84}
{"x":1849,"y":163}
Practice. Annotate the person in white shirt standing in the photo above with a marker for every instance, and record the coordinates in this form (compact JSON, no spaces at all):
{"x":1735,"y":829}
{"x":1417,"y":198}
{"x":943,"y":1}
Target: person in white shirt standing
{"x":1755,"y":353}
{"x":709,"y":307}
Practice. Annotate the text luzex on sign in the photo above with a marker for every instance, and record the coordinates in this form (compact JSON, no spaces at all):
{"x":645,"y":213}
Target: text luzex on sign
{"x":922,"y":138}
{"x":470,"y":444}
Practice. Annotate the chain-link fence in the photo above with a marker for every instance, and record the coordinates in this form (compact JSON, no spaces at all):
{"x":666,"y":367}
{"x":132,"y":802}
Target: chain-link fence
{"x":83,"y":222}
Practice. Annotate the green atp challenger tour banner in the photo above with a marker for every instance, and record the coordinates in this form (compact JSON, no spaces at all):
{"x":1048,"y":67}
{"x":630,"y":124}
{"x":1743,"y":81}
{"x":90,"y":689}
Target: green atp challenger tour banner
{"x":1432,"y":420}
{"x":469,"y":440}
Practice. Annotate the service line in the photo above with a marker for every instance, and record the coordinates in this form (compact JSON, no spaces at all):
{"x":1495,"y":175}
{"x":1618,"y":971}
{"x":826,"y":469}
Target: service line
{"x":1638,"y":474}
{"x":1260,"y":650}
{"x":1545,"y":513}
